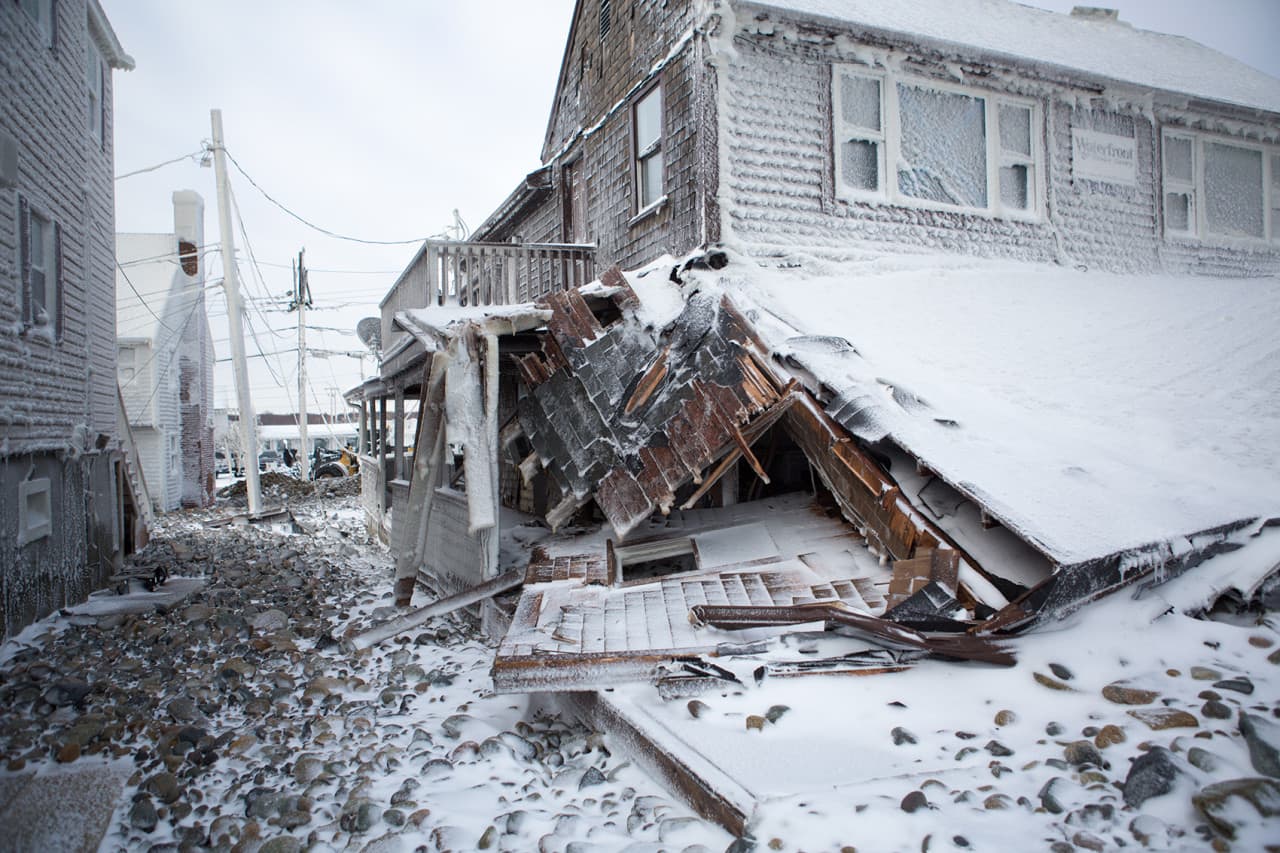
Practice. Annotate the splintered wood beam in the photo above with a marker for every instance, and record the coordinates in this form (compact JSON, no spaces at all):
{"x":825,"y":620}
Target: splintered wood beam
{"x":529,"y":467}
{"x":714,"y":477}
{"x":745,"y":450}
{"x":649,"y":382}
{"x":756,"y":429}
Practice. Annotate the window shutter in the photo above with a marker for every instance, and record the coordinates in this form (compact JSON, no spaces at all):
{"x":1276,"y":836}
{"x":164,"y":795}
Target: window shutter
{"x":58,"y":283}
{"x":24,"y":241}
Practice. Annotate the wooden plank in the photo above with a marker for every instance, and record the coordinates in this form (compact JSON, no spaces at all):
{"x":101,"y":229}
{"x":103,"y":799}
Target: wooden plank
{"x":448,"y":604}
{"x":649,"y":382}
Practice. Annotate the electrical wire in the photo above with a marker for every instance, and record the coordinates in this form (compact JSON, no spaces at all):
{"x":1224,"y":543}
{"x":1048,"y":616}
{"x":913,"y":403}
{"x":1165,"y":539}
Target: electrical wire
{"x":308,"y":222}
{"x":155,"y":354}
{"x":160,"y":165}
{"x":333,"y":271}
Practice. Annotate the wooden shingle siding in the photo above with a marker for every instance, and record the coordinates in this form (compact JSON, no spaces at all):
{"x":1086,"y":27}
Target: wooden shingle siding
{"x":780,"y":191}
{"x":50,"y":388}
{"x":57,"y":383}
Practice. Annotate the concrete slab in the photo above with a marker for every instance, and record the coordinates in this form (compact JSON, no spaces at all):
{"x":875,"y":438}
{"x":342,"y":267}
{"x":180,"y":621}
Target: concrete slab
{"x":62,"y":808}
{"x":106,"y":602}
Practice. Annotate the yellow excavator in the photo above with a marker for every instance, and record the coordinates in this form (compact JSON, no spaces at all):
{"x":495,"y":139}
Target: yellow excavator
{"x":326,"y":464}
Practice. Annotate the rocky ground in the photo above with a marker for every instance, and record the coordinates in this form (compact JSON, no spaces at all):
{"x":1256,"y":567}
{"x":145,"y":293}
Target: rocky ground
{"x":233,"y":720}
{"x":240,"y":724}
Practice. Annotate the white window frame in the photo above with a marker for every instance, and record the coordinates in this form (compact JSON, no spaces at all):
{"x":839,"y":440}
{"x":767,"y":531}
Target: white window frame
{"x":96,"y":86}
{"x":1198,"y":229}
{"x":654,"y":149}
{"x":1180,"y":187}
{"x":35,"y":510}
{"x":889,"y":139}
{"x":45,"y":264}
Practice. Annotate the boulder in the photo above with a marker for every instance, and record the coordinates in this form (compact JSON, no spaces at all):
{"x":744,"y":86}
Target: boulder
{"x":1152,"y":774}
{"x":1230,"y":806}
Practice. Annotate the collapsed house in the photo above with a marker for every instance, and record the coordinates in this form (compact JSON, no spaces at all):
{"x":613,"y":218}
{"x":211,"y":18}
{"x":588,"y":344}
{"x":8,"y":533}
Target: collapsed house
{"x":712,"y":488}
{"x":804,"y":446}
{"x":951,"y":475}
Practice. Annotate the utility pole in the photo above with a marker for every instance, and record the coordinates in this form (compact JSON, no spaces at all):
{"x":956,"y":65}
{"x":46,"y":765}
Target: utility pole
{"x":302,"y":301}
{"x":235,"y":317}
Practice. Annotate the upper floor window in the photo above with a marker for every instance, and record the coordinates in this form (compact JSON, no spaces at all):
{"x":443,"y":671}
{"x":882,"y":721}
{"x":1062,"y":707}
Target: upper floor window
{"x":40,"y":239}
{"x":96,"y":83}
{"x":40,"y":11}
{"x":1214,"y":187}
{"x":647,"y":124}
{"x":934,"y":145}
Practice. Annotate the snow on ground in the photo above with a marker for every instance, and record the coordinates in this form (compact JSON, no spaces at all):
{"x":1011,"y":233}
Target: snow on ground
{"x":1091,"y":412}
{"x":240,"y":722}
{"x":950,"y":756}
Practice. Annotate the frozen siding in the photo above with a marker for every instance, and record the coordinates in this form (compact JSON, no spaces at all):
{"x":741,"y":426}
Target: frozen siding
{"x":779,"y":190}
{"x":591,"y":128}
{"x":57,"y":395}
{"x":48,"y":388}
{"x":598,"y":73}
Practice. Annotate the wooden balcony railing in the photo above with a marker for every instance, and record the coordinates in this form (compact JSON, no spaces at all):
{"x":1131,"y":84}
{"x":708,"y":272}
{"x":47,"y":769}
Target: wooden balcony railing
{"x":449,"y":273}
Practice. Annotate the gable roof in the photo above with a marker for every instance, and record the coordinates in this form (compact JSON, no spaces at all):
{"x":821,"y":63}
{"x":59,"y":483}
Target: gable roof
{"x":1097,"y":48}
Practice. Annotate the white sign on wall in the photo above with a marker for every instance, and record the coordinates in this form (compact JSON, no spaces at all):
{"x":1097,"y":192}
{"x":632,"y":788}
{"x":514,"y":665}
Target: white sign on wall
{"x":1104,"y":157}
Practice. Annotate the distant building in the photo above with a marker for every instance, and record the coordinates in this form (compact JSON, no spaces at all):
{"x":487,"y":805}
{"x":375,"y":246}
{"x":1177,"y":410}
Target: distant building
{"x":276,"y":432}
{"x":165,"y":360}
{"x":63,"y":524}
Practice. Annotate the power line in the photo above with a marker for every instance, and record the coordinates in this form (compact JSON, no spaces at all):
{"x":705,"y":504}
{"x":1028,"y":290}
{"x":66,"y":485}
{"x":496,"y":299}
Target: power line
{"x":159,"y":165}
{"x":335,"y":272}
{"x":167,"y":256}
{"x":308,"y":222}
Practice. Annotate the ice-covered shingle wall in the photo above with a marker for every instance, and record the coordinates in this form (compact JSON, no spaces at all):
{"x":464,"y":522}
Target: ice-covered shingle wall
{"x":779,"y":188}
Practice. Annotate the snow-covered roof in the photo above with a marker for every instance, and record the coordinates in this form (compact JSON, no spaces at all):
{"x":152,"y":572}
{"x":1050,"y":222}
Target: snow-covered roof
{"x":1100,"y":48}
{"x":1091,"y":413}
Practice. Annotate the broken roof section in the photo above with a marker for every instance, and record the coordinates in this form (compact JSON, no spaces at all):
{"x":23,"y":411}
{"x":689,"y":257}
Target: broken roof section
{"x":925,"y":404}
{"x":1090,"y":413}
{"x":629,"y":414}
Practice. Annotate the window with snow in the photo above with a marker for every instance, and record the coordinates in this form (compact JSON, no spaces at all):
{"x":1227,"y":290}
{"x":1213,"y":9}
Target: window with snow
{"x":96,"y":82}
{"x":1234,"y":203}
{"x":1219,"y":189}
{"x":925,"y":144}
{"x":943,"y":146}
{"x":647,"y":131}
{"x":40,"y":11}
{"x":1179,"y":184}
{"x":35,"y":510}
{"x":40,"y":238}
{"x":860,"y":155}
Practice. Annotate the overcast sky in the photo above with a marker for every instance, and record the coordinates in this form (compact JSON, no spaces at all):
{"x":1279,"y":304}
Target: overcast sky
{"x":376,"y":121}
